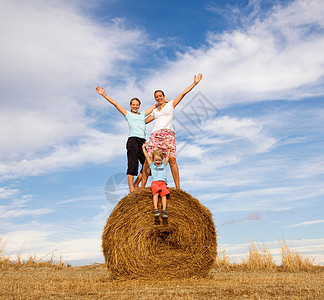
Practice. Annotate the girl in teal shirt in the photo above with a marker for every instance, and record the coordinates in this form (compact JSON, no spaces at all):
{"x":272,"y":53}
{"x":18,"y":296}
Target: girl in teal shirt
{"x":136,"y":137}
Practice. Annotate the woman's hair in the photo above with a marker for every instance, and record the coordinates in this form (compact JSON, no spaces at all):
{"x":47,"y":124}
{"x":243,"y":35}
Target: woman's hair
{"x":157,"y":153}
{"x":130,"y":103}
{"x":158,"y":91}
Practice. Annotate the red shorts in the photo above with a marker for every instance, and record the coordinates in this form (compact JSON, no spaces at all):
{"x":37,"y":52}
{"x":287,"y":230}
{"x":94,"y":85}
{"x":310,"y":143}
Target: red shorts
{"x":159,"y":187}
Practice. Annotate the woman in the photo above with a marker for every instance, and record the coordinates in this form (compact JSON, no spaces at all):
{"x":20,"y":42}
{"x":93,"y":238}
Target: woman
{"x":163,"y":132}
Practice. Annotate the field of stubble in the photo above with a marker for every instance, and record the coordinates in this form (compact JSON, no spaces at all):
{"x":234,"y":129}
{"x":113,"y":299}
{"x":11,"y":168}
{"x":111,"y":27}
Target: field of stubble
{"x":49,"y":281}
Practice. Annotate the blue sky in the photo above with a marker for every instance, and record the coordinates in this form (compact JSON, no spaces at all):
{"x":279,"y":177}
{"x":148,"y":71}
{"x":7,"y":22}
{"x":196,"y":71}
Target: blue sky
{"x":250,"y":135}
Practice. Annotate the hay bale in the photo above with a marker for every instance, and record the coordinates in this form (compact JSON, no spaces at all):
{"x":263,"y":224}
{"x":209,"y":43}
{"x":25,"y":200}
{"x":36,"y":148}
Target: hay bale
{"x":134,"y":247}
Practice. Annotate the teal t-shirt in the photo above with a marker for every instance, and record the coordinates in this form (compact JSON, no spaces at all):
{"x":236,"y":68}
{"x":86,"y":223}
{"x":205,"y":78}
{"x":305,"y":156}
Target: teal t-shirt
{"x":136,"y":124}
{"x":159,"y":172}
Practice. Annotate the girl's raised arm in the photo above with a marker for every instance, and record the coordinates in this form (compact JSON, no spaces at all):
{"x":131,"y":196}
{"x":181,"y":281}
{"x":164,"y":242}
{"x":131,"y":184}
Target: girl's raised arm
{"x":176,"y":100}
{"x":101,"y":91}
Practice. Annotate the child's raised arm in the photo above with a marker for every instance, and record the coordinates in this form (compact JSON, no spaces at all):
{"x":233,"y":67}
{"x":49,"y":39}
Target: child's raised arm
{"x":149,"y":160}
{"x":177,"y":99}
{"x":167,"y":155}
{"x":101,"y":91}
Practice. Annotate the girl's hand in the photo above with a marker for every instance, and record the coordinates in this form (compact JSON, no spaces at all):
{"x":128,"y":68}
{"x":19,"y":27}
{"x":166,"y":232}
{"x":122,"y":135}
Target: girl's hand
{"x":197,"y":78}
{"x":144,"y":145}
{"x":168,"y":145}
{"x":100,"y":90}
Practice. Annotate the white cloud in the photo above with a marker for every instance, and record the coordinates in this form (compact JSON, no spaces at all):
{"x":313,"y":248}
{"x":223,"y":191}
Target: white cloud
{"x":277,"y":57}
{"x":24,"y":132}
{"x":6,"y":192}
{"x":47,"y":84}
{"x":94,"y":146}
{"x":223,"y":142}
{"x":307,"y":223}
{"x":244,"y":129}
{"x":15,"y":213}
{"x":86,"y":250}
{"x":249,"y":198}
{"x":253,"y":216}
{"x":62,"y":52}
{"x":18,"y":205}
{"x":52,"y":58}
{"x":311,"y":169}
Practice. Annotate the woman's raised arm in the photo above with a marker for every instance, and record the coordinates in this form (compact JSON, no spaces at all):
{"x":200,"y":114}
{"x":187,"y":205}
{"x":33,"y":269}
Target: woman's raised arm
{"x":149,"y":119}
{"x":176,"y":100}
{"x":101,"y":91}
{"x":149,"y":110}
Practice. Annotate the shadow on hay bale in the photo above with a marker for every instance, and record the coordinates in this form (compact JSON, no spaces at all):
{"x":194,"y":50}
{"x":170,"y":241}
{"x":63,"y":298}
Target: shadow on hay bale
{"x":134,"y":247}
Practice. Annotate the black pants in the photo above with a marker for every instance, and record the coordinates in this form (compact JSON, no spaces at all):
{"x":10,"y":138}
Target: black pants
{"x":134,"y":154}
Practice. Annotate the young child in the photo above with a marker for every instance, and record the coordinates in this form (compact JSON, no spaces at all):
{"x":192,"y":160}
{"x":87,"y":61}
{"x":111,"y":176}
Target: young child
{"x":137,"y":135}
{"x":159,"y":183}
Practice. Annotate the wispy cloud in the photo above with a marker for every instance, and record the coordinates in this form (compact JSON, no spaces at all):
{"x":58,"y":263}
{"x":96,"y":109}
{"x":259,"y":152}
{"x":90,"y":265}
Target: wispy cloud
{"x":94,"y":146}
{"x":307,"y":223}
{"x":253,"y":216}
{"x":15,"y":213}
{"x":6,"y":192}
{"x":277,"y":57}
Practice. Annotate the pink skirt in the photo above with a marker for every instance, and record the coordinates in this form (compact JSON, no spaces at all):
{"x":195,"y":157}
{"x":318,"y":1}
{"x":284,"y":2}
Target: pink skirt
{"x":157,"y":142}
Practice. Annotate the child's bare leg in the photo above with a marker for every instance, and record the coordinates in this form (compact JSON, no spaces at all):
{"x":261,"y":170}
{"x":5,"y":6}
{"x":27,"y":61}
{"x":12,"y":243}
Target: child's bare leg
{"x":164,"y":203}
{"x":156,"y":211}
{"x":175,"y":171}
{"x":164,"y":212}
{"x":137,"y":181}
{"x":130,"y":179}
{"x":145,"y":174}
{"x":155,"y":200}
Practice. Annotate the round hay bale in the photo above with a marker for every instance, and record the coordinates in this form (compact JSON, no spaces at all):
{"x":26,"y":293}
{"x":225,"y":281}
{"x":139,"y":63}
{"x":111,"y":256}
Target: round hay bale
{"x":134,"y":247}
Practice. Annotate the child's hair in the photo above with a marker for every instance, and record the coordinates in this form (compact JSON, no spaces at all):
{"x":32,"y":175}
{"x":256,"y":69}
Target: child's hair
{"x":159,"y":91}
{"x":136,"y":100}
{"x":157,"y":153}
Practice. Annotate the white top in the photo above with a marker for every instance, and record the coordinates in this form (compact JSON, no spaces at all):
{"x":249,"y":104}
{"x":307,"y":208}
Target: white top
{"x":164,"y":117}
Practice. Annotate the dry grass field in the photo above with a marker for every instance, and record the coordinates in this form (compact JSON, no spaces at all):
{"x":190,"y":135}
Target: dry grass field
{"x":255,"y":278}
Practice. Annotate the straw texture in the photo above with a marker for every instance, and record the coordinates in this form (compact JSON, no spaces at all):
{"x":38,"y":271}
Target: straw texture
{"x":134,"y":247}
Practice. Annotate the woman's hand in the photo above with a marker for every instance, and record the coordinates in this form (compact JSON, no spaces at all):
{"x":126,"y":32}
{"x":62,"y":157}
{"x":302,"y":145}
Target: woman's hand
{"x":197,"y":78}
{"x":100,"y":90}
